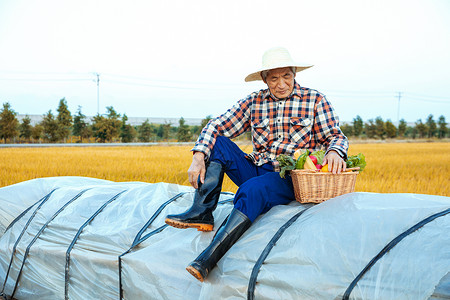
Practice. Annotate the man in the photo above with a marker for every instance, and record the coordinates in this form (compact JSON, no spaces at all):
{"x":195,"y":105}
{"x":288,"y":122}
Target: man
{"x":283,"y":118}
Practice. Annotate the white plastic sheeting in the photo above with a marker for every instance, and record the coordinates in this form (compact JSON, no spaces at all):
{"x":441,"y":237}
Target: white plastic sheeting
{"x":319,"y":252}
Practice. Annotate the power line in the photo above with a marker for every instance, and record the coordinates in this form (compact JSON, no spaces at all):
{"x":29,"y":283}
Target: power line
{"x":184,"y":85}
{"x":43,"y":80}
{"x":184,"y":82}
{"x":43,"y":76}
{"x":393,"y":96}
{"x":122,"y":79}
{"x":427,"y":100}
{"x":427,"y":96}
{"x":361,"y":96}
{"x":149,"y":85}
{"x":360,"y":92}
{"x":191,"y":87}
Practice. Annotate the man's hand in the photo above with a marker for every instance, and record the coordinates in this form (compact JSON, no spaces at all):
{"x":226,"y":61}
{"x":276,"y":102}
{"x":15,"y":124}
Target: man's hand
{"x":197,"y":168}
{"x":335,"y":162}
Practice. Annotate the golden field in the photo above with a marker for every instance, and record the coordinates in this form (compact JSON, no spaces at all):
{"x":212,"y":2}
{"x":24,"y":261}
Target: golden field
{"x":391,"y":167}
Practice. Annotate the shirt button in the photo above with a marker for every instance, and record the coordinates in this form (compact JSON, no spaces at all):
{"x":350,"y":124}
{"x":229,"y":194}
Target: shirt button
{"x":279,"y":120}
{"x":279,"y":136}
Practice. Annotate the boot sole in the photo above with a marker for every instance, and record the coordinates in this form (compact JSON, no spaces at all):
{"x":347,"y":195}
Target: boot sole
{"x":194,"y":272}
{"x":198,"y":226}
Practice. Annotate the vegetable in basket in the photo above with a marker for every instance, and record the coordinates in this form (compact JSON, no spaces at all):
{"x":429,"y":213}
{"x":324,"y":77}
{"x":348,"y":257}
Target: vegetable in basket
{"x":354,"y":161}
{"x":286,"y":162}
{"x":305,"y":161}
{"x":319,"y":154}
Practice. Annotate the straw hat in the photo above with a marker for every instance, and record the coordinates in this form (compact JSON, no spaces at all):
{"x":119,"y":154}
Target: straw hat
{"x":276,"y":58}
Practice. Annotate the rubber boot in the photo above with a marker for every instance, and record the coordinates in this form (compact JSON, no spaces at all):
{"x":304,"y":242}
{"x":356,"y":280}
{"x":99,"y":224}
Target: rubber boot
{"x":225,"y":237}
{"x":205,"y":202}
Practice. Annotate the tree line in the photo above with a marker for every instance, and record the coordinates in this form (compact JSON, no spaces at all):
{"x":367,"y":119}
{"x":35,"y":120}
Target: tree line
{"x":113,"y":127}
{"x":64,"y":127}
{"x":379,"y":129}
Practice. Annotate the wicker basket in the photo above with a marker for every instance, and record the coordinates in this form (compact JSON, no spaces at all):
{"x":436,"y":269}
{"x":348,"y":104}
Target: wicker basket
{"x":312,"y":186}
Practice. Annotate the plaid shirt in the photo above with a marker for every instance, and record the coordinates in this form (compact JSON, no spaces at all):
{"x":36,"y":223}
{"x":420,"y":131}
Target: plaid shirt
{"x":279,"y":126}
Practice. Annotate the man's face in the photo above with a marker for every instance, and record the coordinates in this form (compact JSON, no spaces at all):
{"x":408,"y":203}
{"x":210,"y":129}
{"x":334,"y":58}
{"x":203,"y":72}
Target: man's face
{"x":280,"y":82}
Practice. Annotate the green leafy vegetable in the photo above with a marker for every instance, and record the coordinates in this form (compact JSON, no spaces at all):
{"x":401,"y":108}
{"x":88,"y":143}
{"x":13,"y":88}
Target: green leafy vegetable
{"x":356,"y":161}
{"x":287,"y":163}
{"x":320,"y":154}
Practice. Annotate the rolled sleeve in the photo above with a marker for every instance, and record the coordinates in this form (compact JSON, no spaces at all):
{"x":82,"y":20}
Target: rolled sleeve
{"x":327,"y":130}
{"x":232,"y":123}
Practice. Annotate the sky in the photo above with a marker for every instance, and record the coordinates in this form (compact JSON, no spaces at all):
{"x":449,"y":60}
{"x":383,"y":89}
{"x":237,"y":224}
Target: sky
{"x":177,"y":58}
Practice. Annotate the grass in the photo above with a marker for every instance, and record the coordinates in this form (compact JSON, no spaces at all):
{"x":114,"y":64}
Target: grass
{"x":422,"y":168}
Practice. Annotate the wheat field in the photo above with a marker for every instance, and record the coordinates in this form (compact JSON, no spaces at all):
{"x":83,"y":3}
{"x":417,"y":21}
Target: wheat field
{"x":422,"y":168}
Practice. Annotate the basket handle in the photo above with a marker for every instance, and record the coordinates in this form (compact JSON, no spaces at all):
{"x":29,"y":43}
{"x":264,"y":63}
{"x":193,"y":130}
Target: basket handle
{"x":307,"y":170}
{"x":353,"y":169}
{"x":317,"y":171}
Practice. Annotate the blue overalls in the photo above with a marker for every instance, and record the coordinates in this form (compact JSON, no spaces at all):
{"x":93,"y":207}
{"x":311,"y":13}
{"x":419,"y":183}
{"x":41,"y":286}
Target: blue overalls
{"x":260,"y":188}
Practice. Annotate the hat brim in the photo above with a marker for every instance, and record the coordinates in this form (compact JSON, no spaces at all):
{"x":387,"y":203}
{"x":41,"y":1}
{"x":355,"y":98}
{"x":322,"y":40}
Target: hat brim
{"x":257,"y":75}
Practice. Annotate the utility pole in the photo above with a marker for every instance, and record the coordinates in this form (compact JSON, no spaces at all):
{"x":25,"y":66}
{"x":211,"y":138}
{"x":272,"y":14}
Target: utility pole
{"x":398,"y":109}
{"x":98,"y":92}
